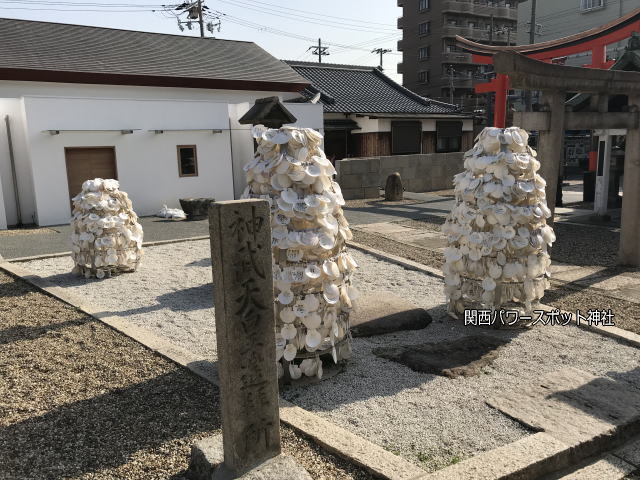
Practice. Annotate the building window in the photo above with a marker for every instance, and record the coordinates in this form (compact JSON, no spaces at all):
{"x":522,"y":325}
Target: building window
{"x":586,"y":5}
{"x":448,"y":137}
{"x":423,"y":76}
{"x":423,"y":53}
{"x":473,"y":25}
{"x":424,"y":28}
{"x":187,"y":161}
{"x":406,"y":137}
{"x":423,"y":5}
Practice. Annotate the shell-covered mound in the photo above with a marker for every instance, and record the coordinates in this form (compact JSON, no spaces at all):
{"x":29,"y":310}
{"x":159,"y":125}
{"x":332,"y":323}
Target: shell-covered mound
{"x":106,"y":237}
{"x":312,"y":269}
{"x":497,"y":232}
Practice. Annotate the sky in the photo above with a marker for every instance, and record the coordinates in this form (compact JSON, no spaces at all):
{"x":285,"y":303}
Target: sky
{"x":284,"y":28}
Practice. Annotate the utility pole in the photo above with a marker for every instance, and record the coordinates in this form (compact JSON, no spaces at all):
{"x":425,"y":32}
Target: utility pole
{"x":491,"y":32}
{"x":451,"y":88}
{"x":532,"y":28}
{"x":200,"y":20}
{"x":319,"y":50}
{"x":532,"y":40}
{"x":381,"y":51}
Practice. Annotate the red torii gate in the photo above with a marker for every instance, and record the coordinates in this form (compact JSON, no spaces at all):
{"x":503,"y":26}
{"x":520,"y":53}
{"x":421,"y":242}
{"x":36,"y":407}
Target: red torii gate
{"x":594,"y":40}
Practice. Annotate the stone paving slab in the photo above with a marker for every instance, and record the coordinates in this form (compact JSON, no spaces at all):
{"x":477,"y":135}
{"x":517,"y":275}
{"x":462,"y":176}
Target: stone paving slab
{"x":630,"y":453}
{"x":610,"y":468}
{"x":529,"y":457}
{"x":575,"y":407}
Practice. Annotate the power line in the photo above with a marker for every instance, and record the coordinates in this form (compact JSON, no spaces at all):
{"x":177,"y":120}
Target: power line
{"x":330,"y":24}
{"x":275,"y":31}
{"x":321,"y":15}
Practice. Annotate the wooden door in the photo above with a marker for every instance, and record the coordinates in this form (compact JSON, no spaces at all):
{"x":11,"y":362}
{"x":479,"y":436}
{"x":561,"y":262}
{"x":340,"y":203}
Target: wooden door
{"x":86,"y":163}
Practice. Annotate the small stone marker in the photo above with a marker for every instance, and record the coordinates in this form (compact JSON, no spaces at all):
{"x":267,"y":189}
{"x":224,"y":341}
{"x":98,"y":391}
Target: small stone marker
{"x":245,"y":333}
{"x":393,"y":190}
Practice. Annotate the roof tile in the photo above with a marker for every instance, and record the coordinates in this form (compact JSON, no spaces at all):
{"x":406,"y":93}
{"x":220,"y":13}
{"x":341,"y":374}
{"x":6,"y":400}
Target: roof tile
{"x":363,"y":89}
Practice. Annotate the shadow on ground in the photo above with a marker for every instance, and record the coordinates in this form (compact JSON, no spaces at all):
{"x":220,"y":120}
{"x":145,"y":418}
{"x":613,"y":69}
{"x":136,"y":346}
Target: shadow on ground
{"x":105,"y":431}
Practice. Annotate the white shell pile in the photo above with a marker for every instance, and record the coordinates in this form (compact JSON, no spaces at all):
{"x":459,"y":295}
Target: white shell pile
{"x":497,"y":232}
{"x":106,"y":237}
{"x":311,"y":267}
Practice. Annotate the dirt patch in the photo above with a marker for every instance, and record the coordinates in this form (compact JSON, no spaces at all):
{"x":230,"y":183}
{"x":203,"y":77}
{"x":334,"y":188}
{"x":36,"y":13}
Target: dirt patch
{"x":382,"y":312}
{"x":464,"y":357}
{"x":80,"y":400}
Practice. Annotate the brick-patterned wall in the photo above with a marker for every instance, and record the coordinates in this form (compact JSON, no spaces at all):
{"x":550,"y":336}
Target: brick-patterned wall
{"x":363,"y":177}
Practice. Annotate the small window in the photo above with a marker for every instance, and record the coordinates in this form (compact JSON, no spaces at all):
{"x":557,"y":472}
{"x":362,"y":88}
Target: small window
{"x":406,"y":137}
{"x":423,"y":5}
{"x":423,"y":76}
{"x":448,"y":137}
{"x":473,"y":25}
{"x":424,"y":28}
{"x":423,"y":53}
{"x":586,"y":5}
{"x":187,"y":161}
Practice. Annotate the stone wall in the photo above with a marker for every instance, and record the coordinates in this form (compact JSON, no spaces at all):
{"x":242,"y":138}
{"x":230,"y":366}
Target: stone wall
{"x":363,"y":177}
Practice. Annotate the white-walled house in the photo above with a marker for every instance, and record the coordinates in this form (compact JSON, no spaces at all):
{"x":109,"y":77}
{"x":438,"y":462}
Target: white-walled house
{"x":158,"y":112}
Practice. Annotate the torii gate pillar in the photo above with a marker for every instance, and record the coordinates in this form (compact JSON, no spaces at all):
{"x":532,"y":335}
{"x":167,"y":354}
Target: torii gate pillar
{"x":550,"y":146}
{"x":630,"y":221}
{"x":554,"y":81}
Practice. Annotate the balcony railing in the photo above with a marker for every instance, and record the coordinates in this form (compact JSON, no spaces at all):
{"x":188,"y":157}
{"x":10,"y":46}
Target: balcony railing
{"x":400,"y":68}
{"x":467,"y":32}
{"x":399,"y":47}
{"x":459,"y":82}
{"x":400,"y":22}
{"x":480,"y":8}
{"x":456,"y":57}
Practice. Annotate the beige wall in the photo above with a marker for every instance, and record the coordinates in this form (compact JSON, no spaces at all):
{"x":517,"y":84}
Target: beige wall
{"x":363,"y":177}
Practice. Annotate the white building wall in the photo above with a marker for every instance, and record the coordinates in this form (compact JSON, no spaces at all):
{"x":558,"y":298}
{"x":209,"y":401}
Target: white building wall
{"x":384,"y":124}
{"x":3,"y":216}
{"x":17,"y":89}
{"x":147,"y":162}
{"x":14,"y":108}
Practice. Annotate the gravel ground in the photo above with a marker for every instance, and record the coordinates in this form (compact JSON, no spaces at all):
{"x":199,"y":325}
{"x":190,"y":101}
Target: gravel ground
{"x":433,"y":421}
{"x":80,"y":400}
{"x":13,"y":232}
{"x":585,"y":245}
{"x":421,"y":255}
{"x":373,"y":202}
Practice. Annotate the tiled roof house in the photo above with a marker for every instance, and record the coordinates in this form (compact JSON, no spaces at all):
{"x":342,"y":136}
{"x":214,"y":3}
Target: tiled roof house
{"x":366,"y":113}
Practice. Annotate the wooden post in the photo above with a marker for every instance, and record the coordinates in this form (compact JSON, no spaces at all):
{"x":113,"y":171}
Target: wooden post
{"x":245,"y":331}
{"x":630,"y":222}
{"x":550,"y":148}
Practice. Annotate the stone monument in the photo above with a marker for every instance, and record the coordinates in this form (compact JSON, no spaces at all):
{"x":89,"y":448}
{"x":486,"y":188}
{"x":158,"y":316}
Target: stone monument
{"x":249,"y":446}
{"x":393,"y":190}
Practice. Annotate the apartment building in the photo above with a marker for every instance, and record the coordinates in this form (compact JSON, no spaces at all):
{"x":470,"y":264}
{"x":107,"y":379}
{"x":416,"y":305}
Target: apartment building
{"x":432,"y":65}
{"x":561,"y":18}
